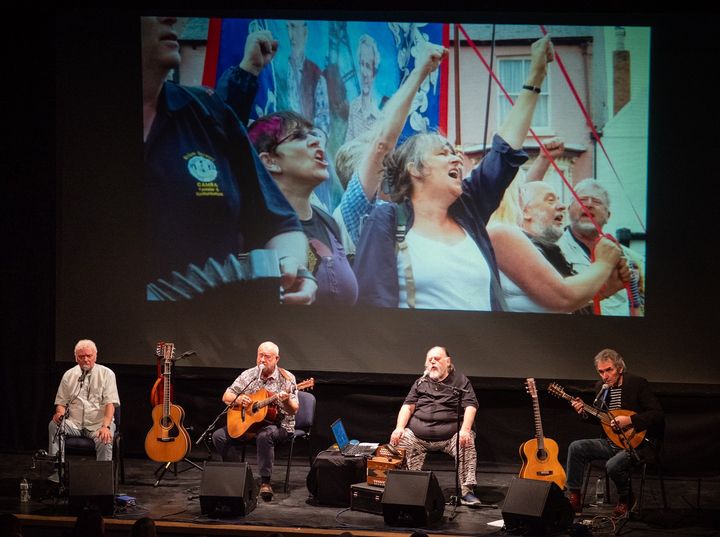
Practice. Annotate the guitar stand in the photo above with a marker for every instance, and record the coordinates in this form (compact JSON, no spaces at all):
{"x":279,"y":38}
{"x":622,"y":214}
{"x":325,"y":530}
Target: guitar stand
{"x":165,"y":466}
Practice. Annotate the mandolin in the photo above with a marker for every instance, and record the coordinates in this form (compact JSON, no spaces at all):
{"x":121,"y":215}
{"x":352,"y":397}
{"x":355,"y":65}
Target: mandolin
{"x":167,"y":440}
{"x":629,"y":434}
{"x":260,"y":410}
{"x":540,"y":455}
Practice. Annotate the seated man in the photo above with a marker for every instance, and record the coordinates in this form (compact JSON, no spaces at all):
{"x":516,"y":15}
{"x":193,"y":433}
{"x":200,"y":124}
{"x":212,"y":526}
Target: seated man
{"x":619,"y":390}
{"x":274,"y":379}
{"x":86,"y":401}
{"x":427,"y":421}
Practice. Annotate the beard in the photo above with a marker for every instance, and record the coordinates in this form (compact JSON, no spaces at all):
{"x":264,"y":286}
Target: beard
{"x":585,"y":228}
{"x":551,"y":233}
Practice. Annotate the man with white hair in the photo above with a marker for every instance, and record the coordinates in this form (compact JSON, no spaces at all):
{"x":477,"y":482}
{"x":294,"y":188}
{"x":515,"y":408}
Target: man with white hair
{"x":268,"y":375}
{"x":578,"y":239}
{"x":85,"y":402}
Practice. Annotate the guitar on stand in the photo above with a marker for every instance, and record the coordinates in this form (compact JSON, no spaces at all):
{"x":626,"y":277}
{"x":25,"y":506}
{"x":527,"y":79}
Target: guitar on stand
{"x":167,"y":441}
{"x":262,"y":409}
{"x":540,"y":455}
{"x":628,"y":438}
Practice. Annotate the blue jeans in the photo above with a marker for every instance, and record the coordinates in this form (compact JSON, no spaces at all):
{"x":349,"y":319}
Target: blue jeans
{"x":582,"y":452}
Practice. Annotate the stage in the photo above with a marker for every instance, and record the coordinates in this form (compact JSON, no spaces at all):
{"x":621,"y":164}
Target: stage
{"x":175,"y":505}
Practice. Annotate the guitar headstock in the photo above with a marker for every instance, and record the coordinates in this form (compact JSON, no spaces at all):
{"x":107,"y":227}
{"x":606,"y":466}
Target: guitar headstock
{"x":530,"y":387}
{"x":159,"y":350}
{"x":557,"y":390}
{"x":168,"y":352}
{"x":307,"y":384}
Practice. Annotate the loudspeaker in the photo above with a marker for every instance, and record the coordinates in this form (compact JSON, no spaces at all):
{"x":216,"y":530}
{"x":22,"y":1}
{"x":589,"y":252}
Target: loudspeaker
{"x":536,"y":507}
{"x":412,"y":499}
{"x":90,"y":484}
{"x":227,"y":489}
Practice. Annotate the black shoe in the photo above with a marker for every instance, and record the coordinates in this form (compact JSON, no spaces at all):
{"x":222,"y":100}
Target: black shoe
{"x":266,"y":492}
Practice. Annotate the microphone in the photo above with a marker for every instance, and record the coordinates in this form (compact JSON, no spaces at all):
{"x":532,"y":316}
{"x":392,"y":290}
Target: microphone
{"x":85,"y":372}
{"x":186,"y":354}
{"x":424,"y":375}
{"x":260,"y":369}
{"x":601,"y":394}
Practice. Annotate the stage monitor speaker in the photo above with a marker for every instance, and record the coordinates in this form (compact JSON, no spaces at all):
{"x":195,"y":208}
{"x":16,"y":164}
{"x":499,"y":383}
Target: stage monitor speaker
{"x":412,"y":499}
{"x":227,"y":489}
{"x":90,"y":485}
{"x":534,"y":507}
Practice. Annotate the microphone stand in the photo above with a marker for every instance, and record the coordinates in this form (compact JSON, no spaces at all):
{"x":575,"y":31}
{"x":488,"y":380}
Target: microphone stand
{"x":457,"y":498}
{"x":634,"y":457}
{"x":60,"y":434}
{"x":211,"y":427}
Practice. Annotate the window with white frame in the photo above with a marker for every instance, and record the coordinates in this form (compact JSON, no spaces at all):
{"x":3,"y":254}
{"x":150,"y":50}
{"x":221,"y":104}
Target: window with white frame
{"x":513,"y":74}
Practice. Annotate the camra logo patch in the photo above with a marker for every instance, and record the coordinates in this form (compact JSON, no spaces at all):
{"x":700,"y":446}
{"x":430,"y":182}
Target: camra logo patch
{"x":201,"y":167}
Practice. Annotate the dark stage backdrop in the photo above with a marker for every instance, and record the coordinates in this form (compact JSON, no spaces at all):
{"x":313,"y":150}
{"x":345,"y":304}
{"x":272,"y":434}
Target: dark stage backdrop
{"x":100,"y":263}
{"x":92,"y":152}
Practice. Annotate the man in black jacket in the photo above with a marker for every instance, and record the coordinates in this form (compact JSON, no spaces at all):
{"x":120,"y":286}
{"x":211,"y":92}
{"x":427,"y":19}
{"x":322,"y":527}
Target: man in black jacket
{"x":616,"y":390}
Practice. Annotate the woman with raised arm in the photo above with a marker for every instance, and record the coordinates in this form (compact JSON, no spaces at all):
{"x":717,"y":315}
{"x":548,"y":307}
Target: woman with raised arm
{"x":429,"y":248}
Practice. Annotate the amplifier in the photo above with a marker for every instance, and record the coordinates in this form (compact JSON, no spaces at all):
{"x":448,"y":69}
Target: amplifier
{"x":366,"y":498}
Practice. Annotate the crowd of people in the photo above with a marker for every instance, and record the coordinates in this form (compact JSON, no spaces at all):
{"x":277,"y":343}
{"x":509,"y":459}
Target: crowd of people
{"x":411,"y":228}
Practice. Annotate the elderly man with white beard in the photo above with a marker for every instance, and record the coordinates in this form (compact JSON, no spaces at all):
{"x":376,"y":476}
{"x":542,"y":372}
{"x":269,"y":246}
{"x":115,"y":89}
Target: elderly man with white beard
{"x":427,"y":420}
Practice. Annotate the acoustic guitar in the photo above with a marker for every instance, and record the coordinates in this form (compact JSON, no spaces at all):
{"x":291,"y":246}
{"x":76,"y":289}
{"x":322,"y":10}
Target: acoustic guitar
{"x":540,"y":455}
{"x":167,"y":440}
{"x":629,"y":436}
{"x":242,"y":420}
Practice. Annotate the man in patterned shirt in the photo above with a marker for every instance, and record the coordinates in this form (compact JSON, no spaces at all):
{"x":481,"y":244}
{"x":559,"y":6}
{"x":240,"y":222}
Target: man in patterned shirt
{"x":275,"y":379}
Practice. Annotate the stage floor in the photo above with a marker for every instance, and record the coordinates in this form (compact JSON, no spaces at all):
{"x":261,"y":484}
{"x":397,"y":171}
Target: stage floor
{"x":176,"y":501}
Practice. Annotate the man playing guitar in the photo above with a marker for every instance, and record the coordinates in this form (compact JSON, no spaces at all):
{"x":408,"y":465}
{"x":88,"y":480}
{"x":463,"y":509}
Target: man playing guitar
{"x":267,"y":377}
{"x":617,"y":389}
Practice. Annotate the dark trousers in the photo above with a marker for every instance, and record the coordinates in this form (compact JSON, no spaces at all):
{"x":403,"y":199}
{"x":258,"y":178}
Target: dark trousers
{"x":267,"y":438}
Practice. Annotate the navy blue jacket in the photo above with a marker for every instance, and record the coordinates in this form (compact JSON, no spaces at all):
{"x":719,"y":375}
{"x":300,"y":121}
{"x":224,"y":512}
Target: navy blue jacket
{"x":376,"y":260}
{"x":208,"y":193}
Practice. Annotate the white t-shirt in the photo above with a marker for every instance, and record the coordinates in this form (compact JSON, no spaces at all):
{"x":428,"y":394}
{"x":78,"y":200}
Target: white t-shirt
{"x":447,"y":277}
{"x":517,"y":299}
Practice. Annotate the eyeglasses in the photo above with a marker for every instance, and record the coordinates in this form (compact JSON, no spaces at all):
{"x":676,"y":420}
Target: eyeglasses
{"x":591,"y":200}
{"x":300,"y":134}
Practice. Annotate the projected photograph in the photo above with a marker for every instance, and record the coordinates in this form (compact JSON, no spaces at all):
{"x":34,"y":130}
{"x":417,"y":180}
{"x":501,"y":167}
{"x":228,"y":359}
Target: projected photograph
{"x":439,"y":166}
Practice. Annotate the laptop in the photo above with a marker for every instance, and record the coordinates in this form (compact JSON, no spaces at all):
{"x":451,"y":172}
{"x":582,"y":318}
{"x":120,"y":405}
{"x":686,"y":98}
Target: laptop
{"x":351,"y":448}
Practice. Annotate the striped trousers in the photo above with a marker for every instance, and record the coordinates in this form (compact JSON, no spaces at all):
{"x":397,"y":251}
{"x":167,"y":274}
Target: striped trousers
{"x":416,"y":449}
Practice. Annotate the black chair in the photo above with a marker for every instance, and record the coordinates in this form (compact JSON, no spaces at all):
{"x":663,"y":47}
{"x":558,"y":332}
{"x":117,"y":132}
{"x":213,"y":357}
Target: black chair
{"x":80,"y":445}
{"x":649,"y":461}
{"x":304,"y":420}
